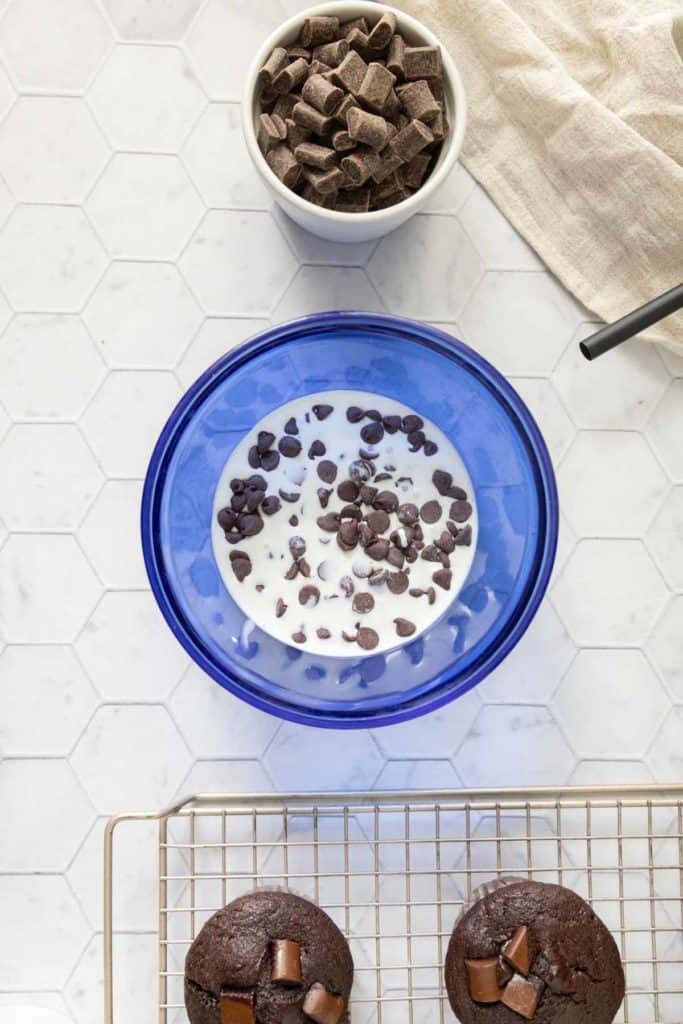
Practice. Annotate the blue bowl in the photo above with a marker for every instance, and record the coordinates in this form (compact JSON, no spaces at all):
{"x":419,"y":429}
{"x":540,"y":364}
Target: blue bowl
{"x":488,"y":424}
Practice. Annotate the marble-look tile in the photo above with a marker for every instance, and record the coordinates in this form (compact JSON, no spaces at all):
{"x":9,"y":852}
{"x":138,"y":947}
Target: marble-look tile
{"x":673,"y":360}
{"x":235,"y":776}
{"x":109,"y":535}
{"x":417,"y":284}
{"x":665,"y":756}
{"x":55,"y":46}
{"x":610,"y":773}
{"x":517,"y":742}
{"x":156,"y":20}
{"x":216,"y":724}
{"x":566,"y":542}
{"x":6,"y":202}
{"x":33,"y":1008}
{"x":610,"y":704}
{"x":250,"y":286}
{"x":128,"y":650}
{"x":494,"y":237}
{"x":665,"y":647}
{"x":316,"y":289}
{"x":124,"y":444}
{"x":50,"y":259}
{"x":553,"y":421}
{"x":51,"y":149}
{"x":49,"y":815}
{"x":417,"y":774}
{"x":49,"y":477}
{"x":615,"y":393}
{"x":135,"y":994}
{"x":311,"y":249}
{"x":301,"y":759}
{"x":665,"y":538}
{"x":147,"y":773}
{"x":142,"y":315}
{"x":520,"y":321}
{"x":217,"y":160}
{"x":45,"y":701}
{"x":439,"y":735}
{"x":214,"y":338}
{"x":610,"y":484}
{"x":47,"y":589}
{"x":665,"y":429}
{"x":451,"y":195}
{"x":532,"y":670}
{"x":146,"y":98}
{"x":48,"y":932}
{"x":49,"y":368}
{"x":609,"y":593}
{"x":144,"y":206}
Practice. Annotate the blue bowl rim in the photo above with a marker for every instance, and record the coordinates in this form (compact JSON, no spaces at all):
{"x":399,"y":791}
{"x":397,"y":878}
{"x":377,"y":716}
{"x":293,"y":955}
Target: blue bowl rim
{"x":442,"y":692}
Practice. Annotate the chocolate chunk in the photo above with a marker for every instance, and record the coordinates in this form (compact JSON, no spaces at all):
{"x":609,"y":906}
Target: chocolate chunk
{"x":291,"y":426}
{"x":482,"y":980}
{"x":351,"y":512}
{"x":269,"y":132}
{"x":367,"y":638}
{"x":299,"y":637}
{"x":322,"y":633}
{"x":361,"y":470}
{"x":404,"y":627}
{"x":372,"y":433}
{"x":386,"y":501}
{"x":290,"y":76}
{"x":289,"y":447}
{"x":378,"y":521}
{"x":395,"y":63}
{"x":504,"y":972}
{"x":378,"y":549}
{"x":422,"y":62}
{"x":297,"y":547}
{"x":442,"y":480}
{"x":314,"y":31}
{"x":522,"y":995}
{"x":286,"y":968}
{"x":284,"y":165}
{"x":254,"y":458}
{"x":290,"y":496}
{"x":308,"y":117}
{"x":354,"y":414}
{"x":377,"y":577}
{"x":309,"y":596}
{"x":328,"y":522}
{"x":418,"y":101}
{"x":346,"y":586}
{"x":347,"y":490}
{"x":516,"y":950}
{"x":275,"y":63}
{"x":395,"y":557}
{"x":463,"y":538}
{"x":342,"y":112}
{"x":270,"y":461}
{"x":392,"y":424}
{"x":376,"y":86}
{"x":443,"y":578}
{"x":264,"y":441}
{"x":280,"y":608}
{"x":350,"y":72}
{"x":359,"y":23}
{"x":460,"y":510}
{"x":317,"y":448}
{"x":342,"y":141}
{"x":331,"y":53}
{"x":430,"y":448}
{"x":237,"y":1007}
{"x":241,"y":565}
{"x":324,"y":496}
{"x":363,"y":603}
{"x":431,"y":512}
{"x":416,"y":438}
{"x":413,"y":174}
{"x":226,"y":518}
{"x":250,"y":524}
{"x":408,"y":514}
{"x":367,"y":494}
{"x":411,"y":422}
{"x":353,"y":200}
{"x":372,"y":129}
{"x":381,"y":34}
{"x":321,"y":412}
{"x":322,"y":95}
{"x":360,"y":165}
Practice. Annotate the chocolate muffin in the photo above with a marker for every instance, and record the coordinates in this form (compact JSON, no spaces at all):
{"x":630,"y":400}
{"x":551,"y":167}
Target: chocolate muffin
{"x":526,"y":950}
{"x":269,"y":957}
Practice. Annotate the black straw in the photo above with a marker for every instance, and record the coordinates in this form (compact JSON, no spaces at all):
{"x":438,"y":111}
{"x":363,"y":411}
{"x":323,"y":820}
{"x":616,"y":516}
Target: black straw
{"x":633,"y":323}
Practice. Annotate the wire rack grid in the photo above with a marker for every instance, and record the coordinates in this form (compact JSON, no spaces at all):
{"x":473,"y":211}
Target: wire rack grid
{"x":395,"y":869}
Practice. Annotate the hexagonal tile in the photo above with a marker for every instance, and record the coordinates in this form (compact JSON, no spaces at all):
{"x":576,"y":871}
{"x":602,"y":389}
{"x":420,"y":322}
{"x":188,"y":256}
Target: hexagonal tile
{"x":413,"y":286}
{"x":224,"y":286}
{"x":236,"y":776}
{"x":110,"y":534}
{"x":49,"y":368}
{"x":521,"y":322}
{"x":142,"y":315}
{"x":135,"y":963}
{"x":526,"y":738}
{"x":447,"y":729}
{"x":343,"y":760}
{"x":619,"y":392}
{"x":128,"y":650}
{"x":311,"y":249}
{"x":609,"y":592}
{"x":45,"y":701}
{"x":665,"y":538}
{"x":672,"y":359}
{"x":532,"y":670}
{"x":50,"y":477}
{"x":213,"y":339}
{"x":315,"y":289}
{"x":494,"y":237}
{"x":215,"y":723}
{"x":450,"y":196}
{"x":610,"y":484}
{"x":610,"y":703}
{"x":665,"y":647}
{"x":218,"y":162}
{"x":48,"y":932}
{"x":610,"y":773}
{"x":144,"y":206}
{"x":665,"y":428}
{"x":51,"y":149}
{"x":130,"y":757}
{"x":124,"y":443}
{"x":35,"y":606}
{"x":155,"y":19}
{"x":146,"y":98}
{"x":57,"y":46}
{"x":49,"y":258}
{"x":403,"y":775}
{"x":43,"y":798}
{"x":45,"y":1008}
{"x":230,"y":26}
{"x":666,"y":753}
{"x":549,"y":413}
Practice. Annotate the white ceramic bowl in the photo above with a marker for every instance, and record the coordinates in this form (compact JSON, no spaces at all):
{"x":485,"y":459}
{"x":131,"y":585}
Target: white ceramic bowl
{"x":356,"y":227}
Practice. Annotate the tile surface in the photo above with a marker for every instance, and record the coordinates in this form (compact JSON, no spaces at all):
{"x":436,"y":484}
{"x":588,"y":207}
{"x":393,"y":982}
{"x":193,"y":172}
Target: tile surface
{"x":137,"y":245}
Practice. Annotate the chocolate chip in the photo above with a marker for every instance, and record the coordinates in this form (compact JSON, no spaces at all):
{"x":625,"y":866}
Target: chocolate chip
{"x":254,"y":499}
{"x":363,"y":603}
{"x":250,"y":524}
{"x":293,"y":520}
{"x":446,"y":542}
{"x":361,"y":470}
{"x":367,"y":494}
{"x":264,"y":441}
{"x":397,"y":582}
{"x":316,"y":449}
{"x":347,"y":490}
{"x":431,"y":594}
{"x":280,"y":608}
{"x":270,"y":461}
{"x":365,"y":534}
{"x":372,"y":433}
{"x":260,"y":587}
{"x":411,"y":554}
{"x":238,"y":501}
{"x":226,"y":518}
{"x":254,"y":458}
{"x":377,"y":577}
{"x":290,"y":496}
{"x":328,"y":522}
{"x":322,"y":633}
{"x":291,"y":426}
{"x":237,"y":486}
{"x":378,"y":521}
{"x":416,"y":439}
{"x":327,"y":471}
{"x":442,"y":480}
{"x":408,"y":514}
{"x":347,"y":537}
{"x":241,"y":566}
{"x":378,"y":550}
{"x":233,"y":538}
{"x":460,"y":510}
{"x":402,"y":537}
{"x":289,"y":447}
{"x":431,"y":512}
{"x":321,"y":412}
{"x":431,"y":554}
{"x":348,"y":637}
{"x":257,"y":481}
{"x":457,"y":492}
{"x":382,"y":476}
{"x":346,"y":586}
{"x":309,"y":596}
{"x":354,"y":414}
{"x":404,"y":627}
{"x":386,"y":501}
{"x":323,"y":496}
{"x":395,"y":557}
{"x":297,"y":547}
{"x":367,"y":638}
{"x":351,"y":512}
{"x":430,"y":448}
{"x":292,"y":572}
{"x":392,"y":424}
{"x":373,"y":414}
{"x":299,"y":637}
{"x":304,"y":568}
{"x":443,"y":578}
{"x":410,"y":423}
{"x":463,"y":538}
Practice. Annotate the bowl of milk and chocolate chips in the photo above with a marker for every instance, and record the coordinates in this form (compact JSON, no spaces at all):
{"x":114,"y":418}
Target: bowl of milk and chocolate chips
{"x":353,"y":115}
{"x":349,"y":520}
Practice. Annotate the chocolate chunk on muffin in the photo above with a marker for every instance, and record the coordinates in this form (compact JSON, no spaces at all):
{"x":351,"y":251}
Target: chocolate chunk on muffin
{"x":269,"y":957}
{"x":527,"y":950}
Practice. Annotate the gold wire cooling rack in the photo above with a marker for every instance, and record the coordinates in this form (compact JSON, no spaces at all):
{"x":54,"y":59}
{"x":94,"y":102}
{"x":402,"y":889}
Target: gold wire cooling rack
{"x":394,"y":869}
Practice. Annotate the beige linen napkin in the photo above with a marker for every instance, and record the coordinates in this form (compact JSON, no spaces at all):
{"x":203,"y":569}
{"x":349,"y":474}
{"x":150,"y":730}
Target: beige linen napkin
{"x":575,"y":128}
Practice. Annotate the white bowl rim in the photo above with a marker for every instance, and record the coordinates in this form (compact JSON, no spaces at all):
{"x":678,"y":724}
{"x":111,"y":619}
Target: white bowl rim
{"x":455,"y":137}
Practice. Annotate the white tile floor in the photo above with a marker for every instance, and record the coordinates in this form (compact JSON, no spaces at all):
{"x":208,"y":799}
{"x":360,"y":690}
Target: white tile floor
{"x":131,"y":225}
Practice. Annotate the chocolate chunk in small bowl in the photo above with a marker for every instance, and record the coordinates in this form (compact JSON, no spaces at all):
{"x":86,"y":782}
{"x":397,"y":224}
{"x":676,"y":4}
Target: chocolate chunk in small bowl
{"x":309,"y":596}
{"x":327,"y":471}
{"x":363,"y":603}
